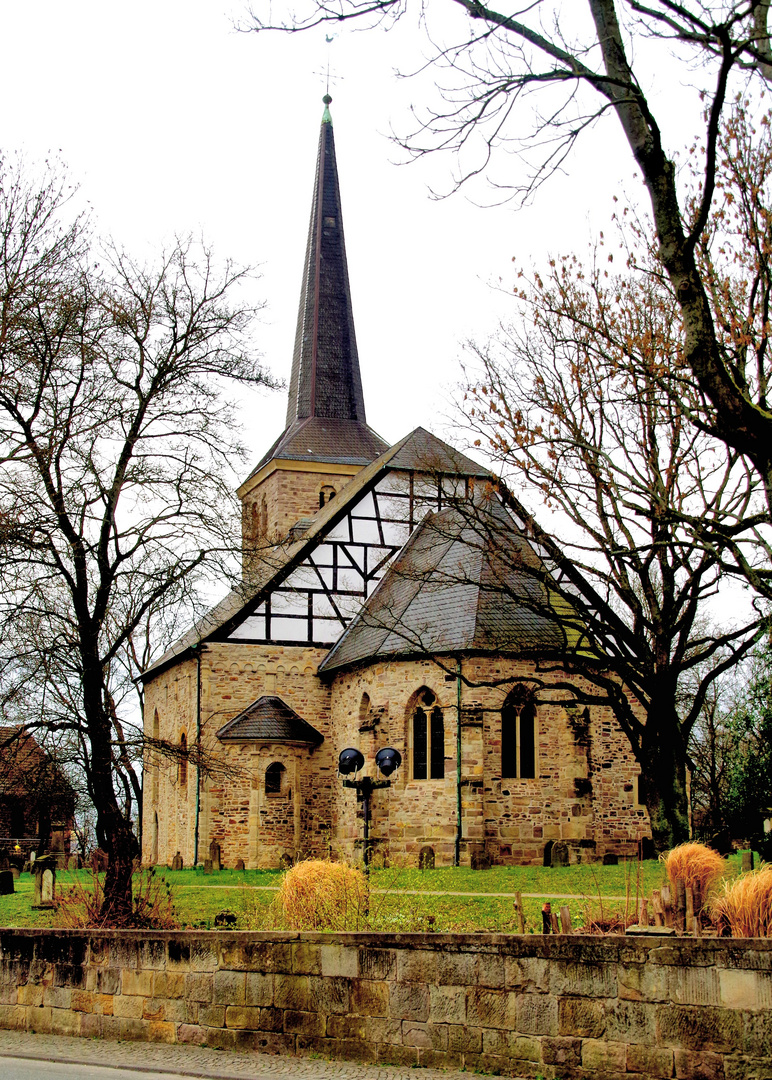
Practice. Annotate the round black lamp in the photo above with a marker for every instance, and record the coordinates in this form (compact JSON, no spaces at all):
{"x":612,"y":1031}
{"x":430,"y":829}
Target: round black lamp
{"x":350,"y":761}
{"x":388,"y":760}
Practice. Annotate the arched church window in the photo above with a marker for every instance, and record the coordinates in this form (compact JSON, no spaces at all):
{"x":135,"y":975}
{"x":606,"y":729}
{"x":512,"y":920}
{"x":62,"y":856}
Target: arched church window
{"x":428,"y":736}
{"x":263,"y":517}
{"x":182,"y":769}
{"x":273,"y":778}
{"x":326,"y":494}
{"x":364,"y":709}
{"x":518,"y":735}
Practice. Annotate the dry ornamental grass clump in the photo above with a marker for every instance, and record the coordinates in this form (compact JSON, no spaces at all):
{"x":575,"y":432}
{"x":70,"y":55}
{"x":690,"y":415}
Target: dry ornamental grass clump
{"x":321,"y":895}
{"x":696,"y":865}
{"x":745,"y":905}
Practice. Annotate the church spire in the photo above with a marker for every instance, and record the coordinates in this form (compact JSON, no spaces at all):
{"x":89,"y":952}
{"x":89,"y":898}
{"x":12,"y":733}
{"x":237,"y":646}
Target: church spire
{"x":325,"y":380}
{"x":326,"y":431}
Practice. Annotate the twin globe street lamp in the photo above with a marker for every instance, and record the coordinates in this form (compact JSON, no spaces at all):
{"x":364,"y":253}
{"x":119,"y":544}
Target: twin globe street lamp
{"x":350,"y":762}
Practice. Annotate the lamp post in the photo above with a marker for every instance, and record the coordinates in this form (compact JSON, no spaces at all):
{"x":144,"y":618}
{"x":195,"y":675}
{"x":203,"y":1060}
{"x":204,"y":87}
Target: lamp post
{"x":350,"y":762}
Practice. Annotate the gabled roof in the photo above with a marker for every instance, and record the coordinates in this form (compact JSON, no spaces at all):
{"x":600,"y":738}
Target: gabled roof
{"x":269,"y":719}
{"x":420,"y":451}
{"x":464,"y":582}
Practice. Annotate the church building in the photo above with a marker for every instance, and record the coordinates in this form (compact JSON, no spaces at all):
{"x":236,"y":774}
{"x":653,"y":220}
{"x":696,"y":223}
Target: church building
{"x":372,"y":616}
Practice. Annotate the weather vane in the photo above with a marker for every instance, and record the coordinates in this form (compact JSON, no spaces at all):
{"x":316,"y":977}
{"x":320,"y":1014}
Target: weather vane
{"x":329,"y":79}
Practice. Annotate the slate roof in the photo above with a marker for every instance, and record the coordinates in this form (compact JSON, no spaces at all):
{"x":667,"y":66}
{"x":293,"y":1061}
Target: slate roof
{"x":345,"y":442}
{"x":462,"y":583}
{"x":420,"y":450}
{"x":269,"y":719}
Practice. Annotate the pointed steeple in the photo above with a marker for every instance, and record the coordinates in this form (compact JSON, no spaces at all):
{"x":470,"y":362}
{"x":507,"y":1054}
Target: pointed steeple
{"x":325,"y":379}
{"x":326,"y":420}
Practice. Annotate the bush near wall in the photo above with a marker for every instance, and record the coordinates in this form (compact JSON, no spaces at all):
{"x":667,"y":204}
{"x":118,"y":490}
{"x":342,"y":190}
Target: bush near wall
{"x":571,"y":1007}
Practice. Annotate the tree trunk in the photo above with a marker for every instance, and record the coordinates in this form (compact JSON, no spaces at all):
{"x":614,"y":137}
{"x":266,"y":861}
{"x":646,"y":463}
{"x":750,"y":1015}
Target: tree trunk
{"x":663,"y":776}
{"x":119,"y":840}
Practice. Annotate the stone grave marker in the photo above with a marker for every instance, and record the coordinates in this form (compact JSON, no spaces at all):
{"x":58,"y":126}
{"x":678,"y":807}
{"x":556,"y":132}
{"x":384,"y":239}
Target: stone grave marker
{"x":207,"y":866}
{"x":73,"y":862}
{"x":426,"y":858}
{"x":6,"y":883}
{"x":240,"y":864}
{"x":747,"y":861}
{"x":481,"y":860}
{"x":560,"y":853}
{"x":177,"y":863}
{"x":215,"y":854}
{"x":45,"y":882}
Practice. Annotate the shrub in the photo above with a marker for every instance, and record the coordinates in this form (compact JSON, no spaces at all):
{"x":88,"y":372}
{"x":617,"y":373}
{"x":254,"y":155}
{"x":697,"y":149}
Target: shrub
{"x":745,"y":905}
{"x":321,"y":895}
{"x":152,"y":905}
{"x":695,"y":865}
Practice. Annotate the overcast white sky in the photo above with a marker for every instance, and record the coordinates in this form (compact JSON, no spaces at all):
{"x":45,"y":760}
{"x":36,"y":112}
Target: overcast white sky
{"x":172,"y":121}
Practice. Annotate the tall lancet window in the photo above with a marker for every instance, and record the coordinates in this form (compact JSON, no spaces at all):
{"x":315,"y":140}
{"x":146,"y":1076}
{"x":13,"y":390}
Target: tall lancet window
{"x":428,"y":738}
{"x":518,"y":735}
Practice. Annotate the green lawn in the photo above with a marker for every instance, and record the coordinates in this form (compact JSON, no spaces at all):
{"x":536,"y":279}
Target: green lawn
{"x":402,"y":900}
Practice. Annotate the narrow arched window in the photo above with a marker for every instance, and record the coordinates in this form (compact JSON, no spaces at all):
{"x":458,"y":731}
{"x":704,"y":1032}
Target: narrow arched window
{"x":428,"y":737}
{"x":273,"y":778}
{"x":518,"y":735}
{"x":182,"y":771}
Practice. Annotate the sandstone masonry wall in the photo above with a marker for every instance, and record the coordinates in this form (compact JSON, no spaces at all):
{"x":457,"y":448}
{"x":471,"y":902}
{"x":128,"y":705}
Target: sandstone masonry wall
{"x":558,"y":1007}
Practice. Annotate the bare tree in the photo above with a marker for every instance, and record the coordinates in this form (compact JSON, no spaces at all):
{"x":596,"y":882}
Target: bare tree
{"x":579,"y":58}
{"x":582,"y":404}
{"x":116,"y":445}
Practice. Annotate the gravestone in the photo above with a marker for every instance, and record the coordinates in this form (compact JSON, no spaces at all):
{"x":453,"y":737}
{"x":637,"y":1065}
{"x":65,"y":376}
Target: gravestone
{"x":6,"y":883}
{"x":16,"y":872}
{"x":426,"y":858}
{"x":481,"y":860}
{"x":215,"y":854}
{"x":560,"y":853}
{"x":177,"y":863}
{"x":240,"y":864}
{"x":207,"y":866}
{"x":56,"y":846}
{"x":73,"y":862}
{"x":547,"y":860}
{"x":646,"y":848}
{"x":747,"y":861}
{"x":45,"y":882}
{"x":47,"y":887}
{"x":610,"y":858}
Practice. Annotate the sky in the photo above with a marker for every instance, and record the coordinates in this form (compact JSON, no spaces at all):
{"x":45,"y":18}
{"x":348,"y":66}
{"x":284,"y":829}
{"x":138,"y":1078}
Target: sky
{"x":173,"y":121}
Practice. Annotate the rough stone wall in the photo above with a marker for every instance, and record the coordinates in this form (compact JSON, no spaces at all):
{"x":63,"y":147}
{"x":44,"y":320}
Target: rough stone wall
{"x":289,"y":495}
{"x":556,"y":1007}
{"x":233,"y":807}
{"x":583,"y":792}
{"x":169,"y":804}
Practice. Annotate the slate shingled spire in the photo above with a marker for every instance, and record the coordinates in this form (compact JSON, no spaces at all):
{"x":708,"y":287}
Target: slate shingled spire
{"x":325,"y":379}
{"x":326,"y":409}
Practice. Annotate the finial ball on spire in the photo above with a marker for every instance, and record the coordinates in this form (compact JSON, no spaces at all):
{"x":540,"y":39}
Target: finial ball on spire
{"x":326,"y":99}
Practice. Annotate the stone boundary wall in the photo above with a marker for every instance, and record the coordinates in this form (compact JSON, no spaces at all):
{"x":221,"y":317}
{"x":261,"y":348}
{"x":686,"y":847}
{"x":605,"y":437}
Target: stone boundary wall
{"x":567,"y":1007}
